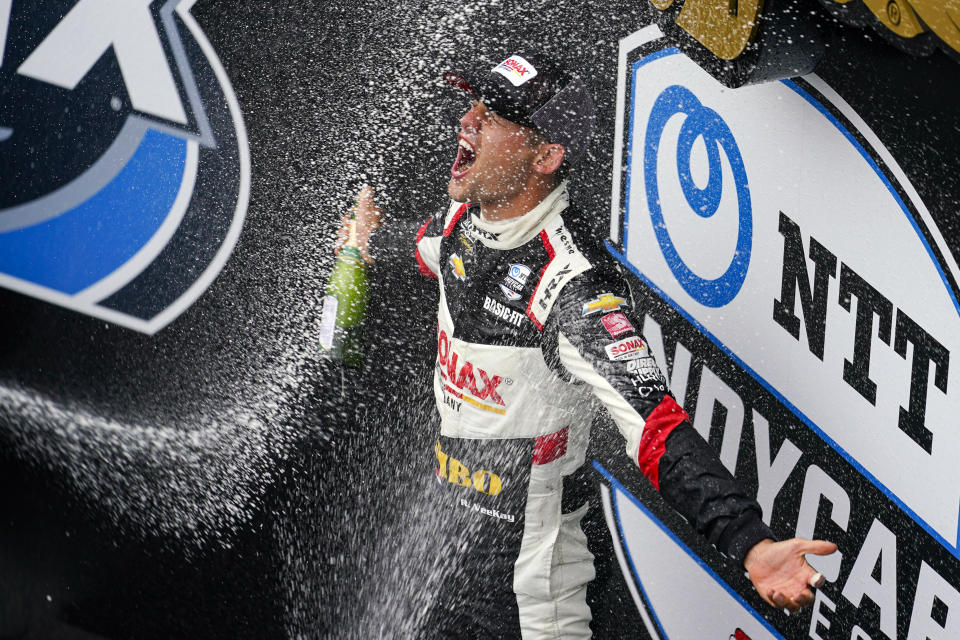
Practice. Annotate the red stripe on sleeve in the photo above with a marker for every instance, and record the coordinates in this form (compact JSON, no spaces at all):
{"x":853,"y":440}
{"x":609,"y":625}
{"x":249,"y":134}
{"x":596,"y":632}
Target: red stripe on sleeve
{"x":453,"y":221}
{"x":550,"y":253}
{"x":662,"y":420}
{"x":424,"y":269}
{"x":551,"y":446}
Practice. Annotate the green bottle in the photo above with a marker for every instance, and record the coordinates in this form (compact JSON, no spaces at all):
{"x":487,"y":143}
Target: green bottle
{"x":345,"y":305}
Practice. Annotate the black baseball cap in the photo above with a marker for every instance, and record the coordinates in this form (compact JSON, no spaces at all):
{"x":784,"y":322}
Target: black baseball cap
{"x":531,"y":90}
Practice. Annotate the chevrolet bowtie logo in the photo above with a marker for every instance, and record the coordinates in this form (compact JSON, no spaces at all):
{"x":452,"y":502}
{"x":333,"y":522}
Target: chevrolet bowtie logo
{"x":606,"y":302}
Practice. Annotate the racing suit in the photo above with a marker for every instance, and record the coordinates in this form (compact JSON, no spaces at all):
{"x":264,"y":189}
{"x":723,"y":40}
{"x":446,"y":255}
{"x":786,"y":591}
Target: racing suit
{"x":533,"y":332}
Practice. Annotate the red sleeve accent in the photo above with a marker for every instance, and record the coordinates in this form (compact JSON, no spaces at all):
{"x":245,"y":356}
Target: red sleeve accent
{"x":453,"y":221}
{"x":662,"y":420}
{"x":424,"y":269}
{"x":550,"y":253}
{"x":551,"y":446}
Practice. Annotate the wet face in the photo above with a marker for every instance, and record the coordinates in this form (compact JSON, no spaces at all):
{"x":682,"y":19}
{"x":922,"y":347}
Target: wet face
{"x":495,"y":158}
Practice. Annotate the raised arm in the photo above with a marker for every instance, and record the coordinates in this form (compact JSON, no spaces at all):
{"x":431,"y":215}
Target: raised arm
{"x":399,"y":239}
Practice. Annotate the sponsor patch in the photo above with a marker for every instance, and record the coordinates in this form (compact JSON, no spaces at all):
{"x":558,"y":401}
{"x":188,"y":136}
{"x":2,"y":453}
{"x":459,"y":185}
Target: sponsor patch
{"x":456,"y":264}
{"x":509,"y":294}
{"x":519,"y":272}
{"x":627,"y":349}
{"x":475,"y":233}
{"x":647,"y":372}
{"x":516,"y":70}
{"x":493,"y":513}
{"x":563,"y":236}
{"x":616,"y":324}
{"x":645,"y":376}
{"x":606,"y":303}
{"x":466,"y":382}
{"x":514,"y":281}
{"x":645,"y":367}
{"x":456,"y":472}
{"x":502,"y":311}
{"x":548,"y":291}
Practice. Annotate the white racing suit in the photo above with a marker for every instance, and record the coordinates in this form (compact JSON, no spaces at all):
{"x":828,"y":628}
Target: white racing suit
{"x":532,"y":335}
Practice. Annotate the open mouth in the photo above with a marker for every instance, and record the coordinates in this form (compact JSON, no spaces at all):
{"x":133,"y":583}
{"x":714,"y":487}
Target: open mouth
{"x":466,"y":154}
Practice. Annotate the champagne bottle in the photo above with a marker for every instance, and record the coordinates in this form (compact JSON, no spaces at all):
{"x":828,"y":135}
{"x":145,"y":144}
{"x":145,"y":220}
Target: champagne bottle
{"x":345,"y":304}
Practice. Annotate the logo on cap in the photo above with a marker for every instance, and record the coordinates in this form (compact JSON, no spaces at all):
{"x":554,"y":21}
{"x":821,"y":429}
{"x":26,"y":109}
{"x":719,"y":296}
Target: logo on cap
{"x":516,"y":70}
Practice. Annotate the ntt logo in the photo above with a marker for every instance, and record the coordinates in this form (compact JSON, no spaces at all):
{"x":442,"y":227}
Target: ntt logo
{"x":820,"y":299}
{"x":701,"y":126}
{"x":125,"y":163}
{"x":791,"y":274}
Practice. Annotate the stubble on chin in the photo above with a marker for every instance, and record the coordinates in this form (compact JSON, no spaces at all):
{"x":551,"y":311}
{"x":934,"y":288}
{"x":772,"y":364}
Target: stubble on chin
{"x":457,"y":191}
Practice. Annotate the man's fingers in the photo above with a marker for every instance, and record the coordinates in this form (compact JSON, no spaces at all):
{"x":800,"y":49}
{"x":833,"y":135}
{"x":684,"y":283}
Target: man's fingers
{"x":816,"y":580}
{"x":771,"y":600}
{"x":804,"y":599}
{"x":777,"y":599}
{"x":790,"y":599}
{"x":817,"y":547}
{"x":365,"y":196}
{"x":368,"y":215}
{"x":782,"y":601}
{"x":365,"y":199}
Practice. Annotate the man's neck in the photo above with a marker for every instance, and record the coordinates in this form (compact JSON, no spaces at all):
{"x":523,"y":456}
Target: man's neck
{"x":517,"y":205}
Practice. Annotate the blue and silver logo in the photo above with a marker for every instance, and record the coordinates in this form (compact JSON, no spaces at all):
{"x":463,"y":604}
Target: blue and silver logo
{"x":125,"y":171}
{"x":514,"y":281}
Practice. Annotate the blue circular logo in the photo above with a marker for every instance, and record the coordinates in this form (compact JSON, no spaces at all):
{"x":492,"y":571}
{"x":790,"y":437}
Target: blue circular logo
{"x":706,"y":124}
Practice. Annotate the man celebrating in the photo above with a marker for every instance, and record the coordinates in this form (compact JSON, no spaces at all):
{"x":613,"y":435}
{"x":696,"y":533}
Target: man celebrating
{"x":534,"y":328}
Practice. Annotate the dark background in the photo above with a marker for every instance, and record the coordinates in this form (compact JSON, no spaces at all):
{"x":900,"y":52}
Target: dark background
{"x":219,"y":479}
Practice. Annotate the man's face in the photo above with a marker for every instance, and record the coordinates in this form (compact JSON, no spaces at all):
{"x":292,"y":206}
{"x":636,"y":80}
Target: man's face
{"x":494,"y":158}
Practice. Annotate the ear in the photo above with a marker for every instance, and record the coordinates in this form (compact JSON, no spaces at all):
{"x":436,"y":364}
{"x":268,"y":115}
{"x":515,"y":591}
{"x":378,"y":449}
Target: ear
{"x":549,"y":158}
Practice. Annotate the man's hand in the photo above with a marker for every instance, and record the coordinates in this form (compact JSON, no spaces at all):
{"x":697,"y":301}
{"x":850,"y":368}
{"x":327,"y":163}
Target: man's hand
{"x":780,"y":573}
{"x":368,"y":219}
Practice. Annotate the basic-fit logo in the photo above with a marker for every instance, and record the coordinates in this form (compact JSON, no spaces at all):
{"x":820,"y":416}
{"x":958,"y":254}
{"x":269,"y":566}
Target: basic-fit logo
{"x":125,"y":173}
